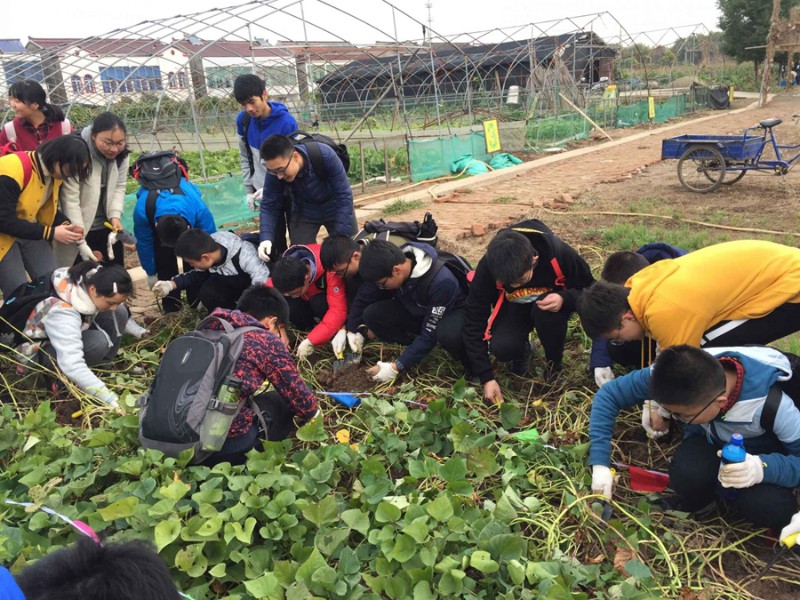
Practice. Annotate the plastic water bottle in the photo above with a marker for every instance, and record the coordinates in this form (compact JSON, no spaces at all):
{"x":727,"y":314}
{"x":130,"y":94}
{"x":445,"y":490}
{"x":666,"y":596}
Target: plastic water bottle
{"x":220,"y":414}
{"x":732,"y":452}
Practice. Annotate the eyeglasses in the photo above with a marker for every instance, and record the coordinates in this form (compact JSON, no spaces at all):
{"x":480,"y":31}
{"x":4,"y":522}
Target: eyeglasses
{"x":382,"y":283}
{"x":112,"y":144}
{"x":701,"y":411}
{"x":616,"y":341}
{"x":343,"y":272}
{"x":281,"y":171}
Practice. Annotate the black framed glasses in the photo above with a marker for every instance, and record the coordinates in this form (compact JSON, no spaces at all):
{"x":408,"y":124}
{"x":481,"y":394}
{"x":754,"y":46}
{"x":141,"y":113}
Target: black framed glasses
{"x":700,"y":412}
{"x":382,"y":283}
{"x":280,"y":172}
{"x":343,"y":272}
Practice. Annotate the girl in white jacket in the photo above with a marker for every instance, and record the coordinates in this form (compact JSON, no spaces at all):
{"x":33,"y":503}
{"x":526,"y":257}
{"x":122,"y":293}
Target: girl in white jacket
{"x":80,"y":325}
{"x":100,"y":198}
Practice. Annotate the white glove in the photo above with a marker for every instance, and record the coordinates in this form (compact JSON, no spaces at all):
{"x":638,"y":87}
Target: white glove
{"x":792,"y":528}
{"x":305,"y":349}
{"x":383,"y":372}
{"x":254,"y":199}
{"x":112,"y":239}
{"x":602,"y":375}
{"x":338,"y":343}
{"x":264,"y":248}
{"x":105,"y":395}
{"x":654,"y":419}
{"x":745,"y":474}
{"x":162,"y":288}
{"x":151,"y":281}
{"x":356,"y":342}
{"x":86,"y":252}
{"x":602,"y":480}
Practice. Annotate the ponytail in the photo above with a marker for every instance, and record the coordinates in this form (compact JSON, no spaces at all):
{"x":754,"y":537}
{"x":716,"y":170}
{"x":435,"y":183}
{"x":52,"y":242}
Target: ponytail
{"x":108,"y":279}
{"x":52,"y":113}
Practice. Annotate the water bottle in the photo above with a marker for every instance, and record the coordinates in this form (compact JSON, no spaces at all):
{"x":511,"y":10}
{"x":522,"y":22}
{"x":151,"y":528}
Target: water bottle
{"x":220,"y":414}
{"x":732,"y":452}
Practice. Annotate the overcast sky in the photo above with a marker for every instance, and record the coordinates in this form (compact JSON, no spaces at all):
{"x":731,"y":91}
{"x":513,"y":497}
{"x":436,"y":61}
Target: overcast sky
{"x":83,"y":18}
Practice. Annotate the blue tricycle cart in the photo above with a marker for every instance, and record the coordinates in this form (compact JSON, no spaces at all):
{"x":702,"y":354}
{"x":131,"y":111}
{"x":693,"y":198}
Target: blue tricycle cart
{"x":707,"y":161}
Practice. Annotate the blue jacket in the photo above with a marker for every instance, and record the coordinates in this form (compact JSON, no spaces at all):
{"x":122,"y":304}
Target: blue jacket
{"x":653,"y":252}
{"x":190,"y":206}
{"x":320,"y":200}
{"x":9,"y":590}
{"x":444,"y":294}
{"x":762,"y":368}
{"x":280,"y":121}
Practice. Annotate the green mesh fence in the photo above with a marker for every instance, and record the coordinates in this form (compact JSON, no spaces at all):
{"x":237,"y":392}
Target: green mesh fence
{"x":633,"y":114}
{"x":225,"y":198}
{"x":431,"y":158}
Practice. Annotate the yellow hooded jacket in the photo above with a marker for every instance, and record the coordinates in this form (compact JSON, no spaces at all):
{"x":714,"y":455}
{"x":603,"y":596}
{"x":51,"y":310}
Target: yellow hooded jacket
{"x":677,"y":300}
{"x":31,"y":205}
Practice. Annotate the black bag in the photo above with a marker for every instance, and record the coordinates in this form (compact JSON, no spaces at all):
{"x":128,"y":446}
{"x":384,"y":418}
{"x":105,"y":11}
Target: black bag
{"x":790,"y":387}
{"x":161,"y":170}
{"x":311,"y":141}
{"x":425,"y":232}
{"x":17,"y":308}
{"x":458,"y":265}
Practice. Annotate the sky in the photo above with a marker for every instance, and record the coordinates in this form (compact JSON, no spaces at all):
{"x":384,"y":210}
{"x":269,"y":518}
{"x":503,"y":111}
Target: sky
{"x":83,"y":18}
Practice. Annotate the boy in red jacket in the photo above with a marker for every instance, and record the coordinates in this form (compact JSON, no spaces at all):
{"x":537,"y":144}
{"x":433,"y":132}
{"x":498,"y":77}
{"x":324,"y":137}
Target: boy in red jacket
{"x":300,"y":276}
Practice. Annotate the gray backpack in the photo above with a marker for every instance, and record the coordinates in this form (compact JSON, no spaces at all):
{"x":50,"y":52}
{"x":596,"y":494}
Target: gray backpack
{"x":184,"y":390}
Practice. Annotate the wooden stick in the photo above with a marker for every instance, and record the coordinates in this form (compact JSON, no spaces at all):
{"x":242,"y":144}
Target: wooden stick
{"x":585,"y":116}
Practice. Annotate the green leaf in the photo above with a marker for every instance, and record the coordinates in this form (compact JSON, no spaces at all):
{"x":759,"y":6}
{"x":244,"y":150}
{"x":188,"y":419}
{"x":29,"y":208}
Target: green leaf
{"x":510,"y":415}
{"x":322,"y":512}
{"x":422,"y":591}
{"x":242,"y":533}
{"x":637,"y":569}
{"x":482,"y":561}
{"x":263,"y":587}
{"x":451,"y":583}
{"x":120,"y":509}
{"x":482,"y":462}
{"x":313,"y":431}
{"x":314,"y":561}
{"x":404,"y":548}
{"x":166,"y":533}
{"x":454,"y":469}
{"x":191,"y":560}
{"x":175,"y":490}
{"x":440,"y":509}
{"x":387,"y":513}
{"x":516,"y":571}
{"x":219,"y":571}
{"x":417,"y":529}
{"x":355,"y":519}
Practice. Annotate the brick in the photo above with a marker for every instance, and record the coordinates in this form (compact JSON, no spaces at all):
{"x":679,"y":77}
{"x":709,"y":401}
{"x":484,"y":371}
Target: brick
{"x":478,"y":229}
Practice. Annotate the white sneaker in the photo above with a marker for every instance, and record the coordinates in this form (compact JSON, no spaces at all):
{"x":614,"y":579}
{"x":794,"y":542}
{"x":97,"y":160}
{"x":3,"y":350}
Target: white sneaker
{"x":136,"y":330}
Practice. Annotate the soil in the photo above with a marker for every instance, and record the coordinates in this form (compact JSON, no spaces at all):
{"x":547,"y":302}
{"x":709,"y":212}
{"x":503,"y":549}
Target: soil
{"x":352,"y":378}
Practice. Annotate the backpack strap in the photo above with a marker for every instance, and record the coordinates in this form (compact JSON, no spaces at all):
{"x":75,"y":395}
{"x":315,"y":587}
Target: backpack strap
{"x":248,"y":150}
{"x":315,"y":156}
{"x":561,"y":281}
{"x":236,"y":263}
{"x":66,"y":126}
{"x":27,"y":167}
{"x":259,"y":416}
{"x":425,"y":281}
{"x":11,"y":131}
{"x":487,"y":335}
{"x":770,"y":409}
{"x":150,"y":208}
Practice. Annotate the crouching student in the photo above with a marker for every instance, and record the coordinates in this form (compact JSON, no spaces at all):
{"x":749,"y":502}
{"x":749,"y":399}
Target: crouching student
{"x":265,"y":357}
{"x":715,"y":393}
{"x":88,"y":570}
{"x":223,"y":266}
{"x":314,"y":294}
{"x":81,"y":324}
{"x":636,"y":354}
{"x":425,"y":308}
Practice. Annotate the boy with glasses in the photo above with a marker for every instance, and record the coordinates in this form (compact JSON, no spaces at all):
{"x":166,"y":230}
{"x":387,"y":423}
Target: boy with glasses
{"x":528,"y":279}
{"x":317,"y":197}
{"x":715,"y":393}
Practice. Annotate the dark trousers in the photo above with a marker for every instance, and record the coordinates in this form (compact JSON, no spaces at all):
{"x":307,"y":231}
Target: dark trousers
{"x":693,"y":476}
{"x":101,"y":340}
{"x":512,"y":327}
{"x":98,"y":241}
{"x":167,"y":268}
{"x":781,"y":322}
{"x":392,"y":322}
{"x":278,"y":419}
{"x":304,"y":314}
{"x":220,"y":291}
{"x":629,"y":354}
{"x":303,"y":230}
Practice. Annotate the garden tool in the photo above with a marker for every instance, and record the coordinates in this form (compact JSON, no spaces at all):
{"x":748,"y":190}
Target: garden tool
{"x":345,"y":360}
{"x":786,"y":543}
{"x":122,"y":235}
{"x":645,"y":480}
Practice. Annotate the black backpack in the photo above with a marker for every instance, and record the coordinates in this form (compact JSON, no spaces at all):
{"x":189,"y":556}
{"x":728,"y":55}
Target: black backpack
{"x":311,"y":141}
{"x":791,"y":387}
{"x":458,"y":265}
{"x":411,"y":231}
{"x":158,"y":173}
{"x":17,"y":308}
{"x":192,"y":370}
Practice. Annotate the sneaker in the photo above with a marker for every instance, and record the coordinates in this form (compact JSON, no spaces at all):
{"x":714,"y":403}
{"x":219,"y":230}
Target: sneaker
{"x":675,"y":502}
{"x":134,"y":329}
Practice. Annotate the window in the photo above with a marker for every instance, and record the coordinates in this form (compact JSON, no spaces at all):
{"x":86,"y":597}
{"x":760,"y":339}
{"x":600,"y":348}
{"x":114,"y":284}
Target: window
{"x":224,"y":77}
{"x":17,"y":70}
{"x":77,"y":84}
{"x":88,"y":84}
{"x":130,"y":79}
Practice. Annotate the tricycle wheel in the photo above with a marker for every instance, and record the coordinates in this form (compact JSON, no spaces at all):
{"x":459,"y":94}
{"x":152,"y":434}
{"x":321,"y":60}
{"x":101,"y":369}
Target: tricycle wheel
{"x":701,"y":169}
{"x":728,"y":180}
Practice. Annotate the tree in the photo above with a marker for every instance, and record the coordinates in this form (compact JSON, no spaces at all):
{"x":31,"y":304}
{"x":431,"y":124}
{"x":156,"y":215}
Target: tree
{"x":745,"y":23}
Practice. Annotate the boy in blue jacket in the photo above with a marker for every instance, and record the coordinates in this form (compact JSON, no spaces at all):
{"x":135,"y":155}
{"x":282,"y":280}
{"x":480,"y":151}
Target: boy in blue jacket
{"x":156,"y":237}
{"x":425,"y":308}
{"x":317,"y":198}
{"x":715,"y":392}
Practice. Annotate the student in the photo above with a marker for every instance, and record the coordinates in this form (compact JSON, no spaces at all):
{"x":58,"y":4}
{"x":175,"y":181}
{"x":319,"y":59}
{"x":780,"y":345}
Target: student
{"x":223,"y":266}
{"x":99,"y":199}
{"x":715,"y":393}
{"x":35,"y":120}
{"x":532,"y":279}
{"x":736,"y":293}
{"x":425,"y":308}
{"x":264,"y":357}
{"x":174,"y":214}
{"x":88,"y":570}
{"x":315,"y":200}
{"x":30,"y":184}
{"x":313,"y":293}
{"x":618,"y":268}
{"x":81,"y":324}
